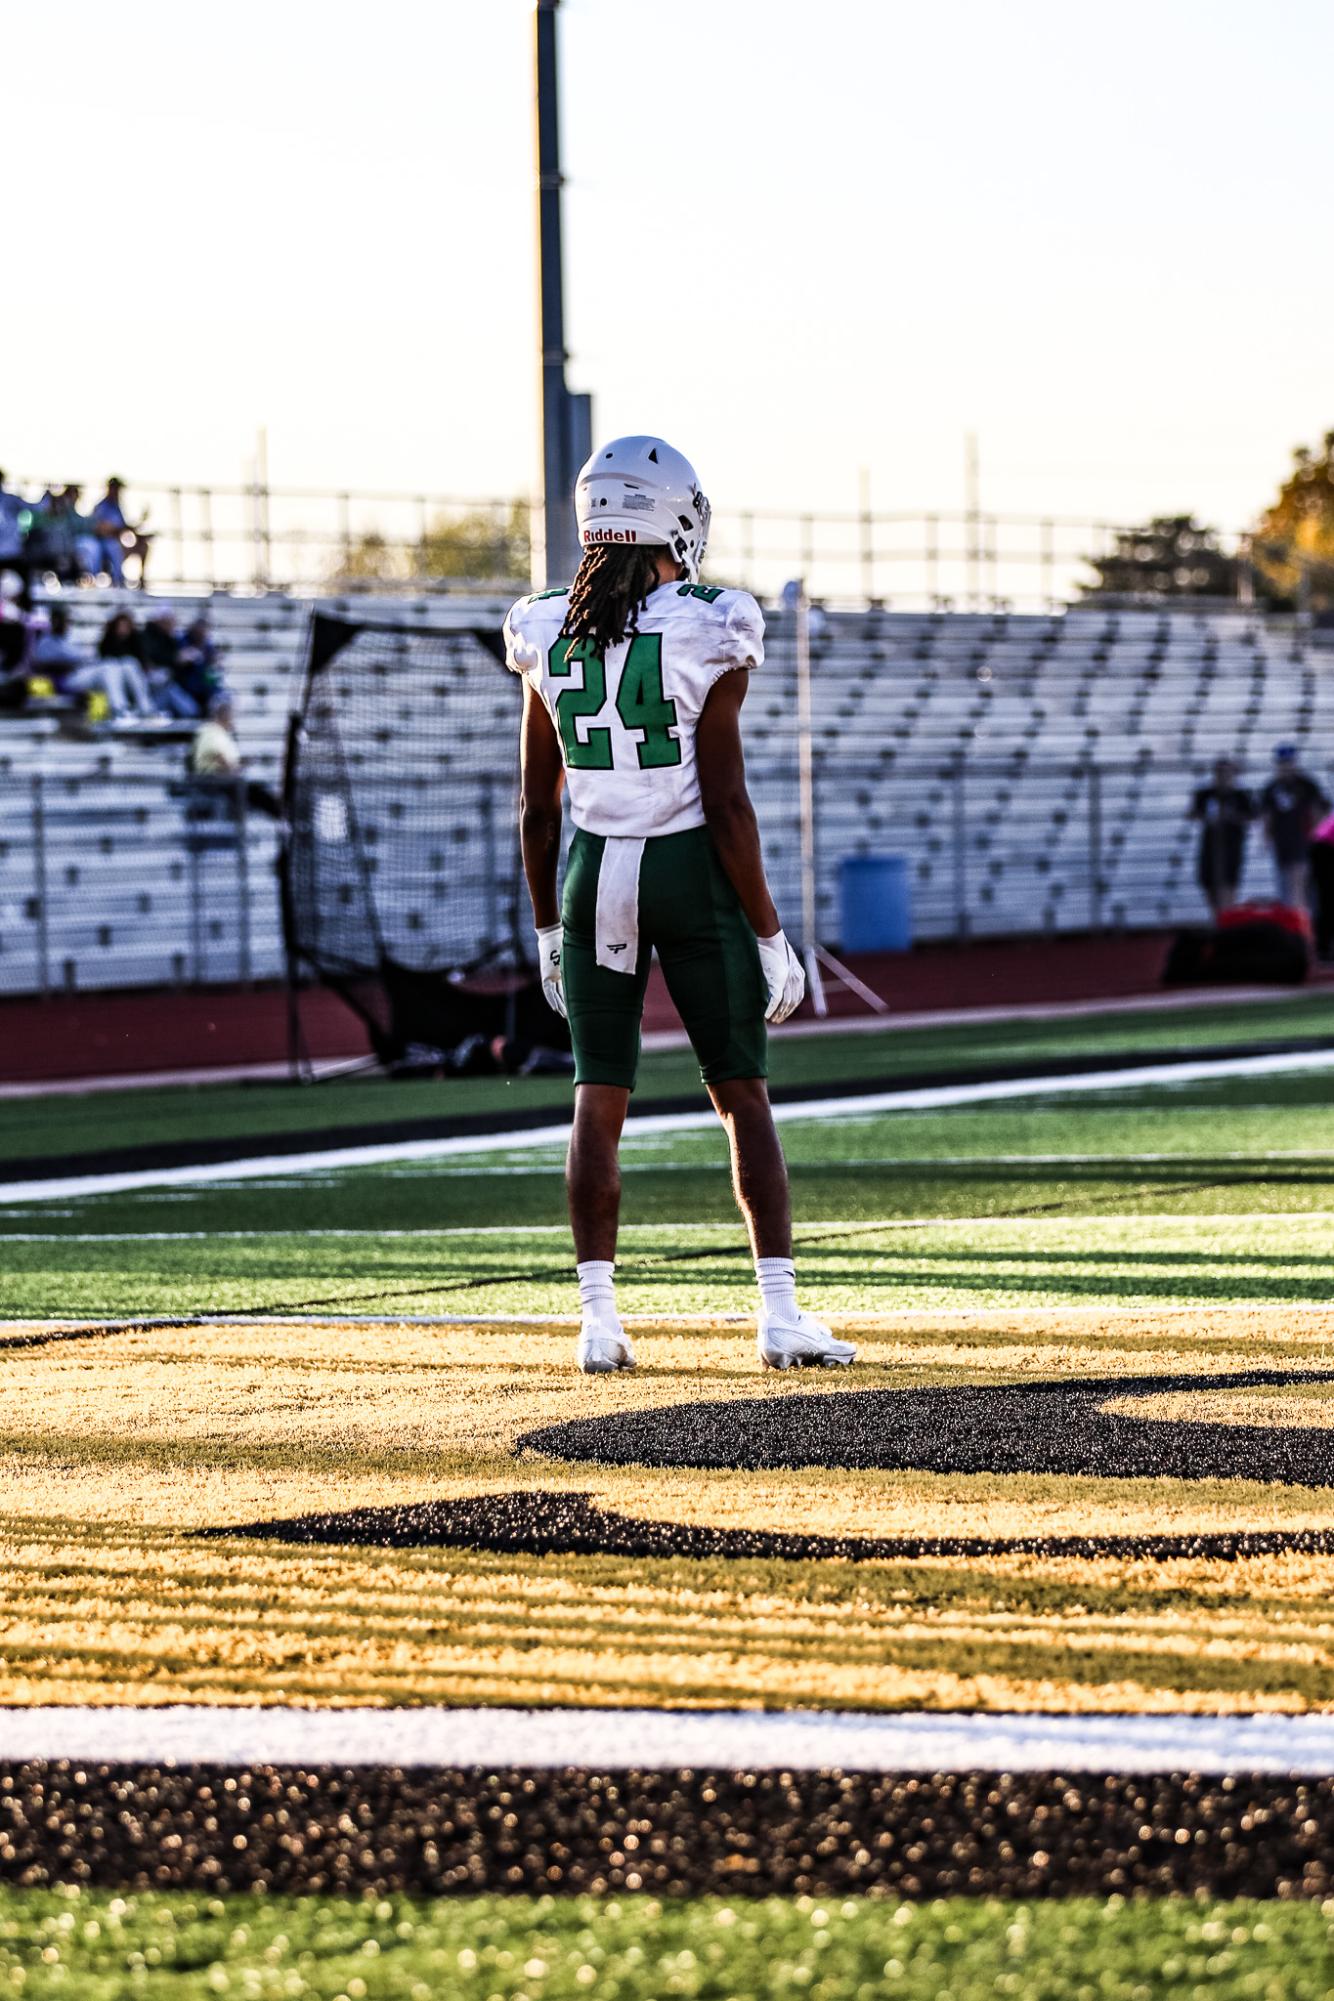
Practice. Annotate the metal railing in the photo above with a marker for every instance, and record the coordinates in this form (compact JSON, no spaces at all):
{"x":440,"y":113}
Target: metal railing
{"x":121,"y":881}
{"x":114,"y":881}
{"x":999,"y":846}
{"x":259,"y":537}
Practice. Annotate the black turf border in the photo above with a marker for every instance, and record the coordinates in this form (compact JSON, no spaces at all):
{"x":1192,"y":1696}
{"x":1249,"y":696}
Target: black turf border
{"x":388,"y":1132}
{"x":369,"y":1830}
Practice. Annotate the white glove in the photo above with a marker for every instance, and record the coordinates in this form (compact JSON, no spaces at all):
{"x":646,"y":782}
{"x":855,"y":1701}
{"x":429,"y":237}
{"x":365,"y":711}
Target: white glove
{"x":783,"y":975}
{"x":549,"y":943}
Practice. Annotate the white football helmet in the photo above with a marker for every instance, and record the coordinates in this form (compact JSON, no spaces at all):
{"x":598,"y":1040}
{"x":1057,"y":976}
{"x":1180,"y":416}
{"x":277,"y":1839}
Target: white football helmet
{"x":642,"y":490}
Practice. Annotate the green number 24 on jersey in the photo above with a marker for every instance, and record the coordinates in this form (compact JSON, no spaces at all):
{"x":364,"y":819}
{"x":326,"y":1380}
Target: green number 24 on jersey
{"x":640,"y":703}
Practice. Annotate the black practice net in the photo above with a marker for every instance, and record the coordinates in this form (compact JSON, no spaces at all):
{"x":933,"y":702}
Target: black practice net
{"x":402,"y":883}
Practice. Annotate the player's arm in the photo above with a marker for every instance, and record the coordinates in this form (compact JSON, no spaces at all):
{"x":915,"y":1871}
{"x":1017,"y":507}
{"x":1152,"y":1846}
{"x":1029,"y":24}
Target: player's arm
{"x":541,"y":776}
{"x":727,"y":809}
{"x":730,"y":818}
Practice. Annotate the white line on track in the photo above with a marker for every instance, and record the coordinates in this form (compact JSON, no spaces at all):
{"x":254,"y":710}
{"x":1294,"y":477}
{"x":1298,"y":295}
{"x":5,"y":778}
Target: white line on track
{"x":933,"y":1098}
{"x":623,"y":1739}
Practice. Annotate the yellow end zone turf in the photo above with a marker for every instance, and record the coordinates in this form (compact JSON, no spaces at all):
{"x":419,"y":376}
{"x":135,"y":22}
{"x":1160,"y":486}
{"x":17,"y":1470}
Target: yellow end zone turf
{"x":118,"y":1453}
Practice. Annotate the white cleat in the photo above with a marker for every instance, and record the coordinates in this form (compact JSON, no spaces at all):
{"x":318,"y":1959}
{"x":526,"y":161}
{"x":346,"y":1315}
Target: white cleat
{"x":603,"y":1350}
{"x":803,"y":1345}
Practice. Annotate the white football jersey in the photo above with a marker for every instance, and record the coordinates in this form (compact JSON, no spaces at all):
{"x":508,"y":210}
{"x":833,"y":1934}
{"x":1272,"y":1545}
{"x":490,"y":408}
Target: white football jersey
{"x":626,"y":722}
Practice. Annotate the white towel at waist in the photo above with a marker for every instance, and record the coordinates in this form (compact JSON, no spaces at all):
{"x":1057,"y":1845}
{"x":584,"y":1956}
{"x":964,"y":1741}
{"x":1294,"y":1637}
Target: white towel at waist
{"x":617,"y":939}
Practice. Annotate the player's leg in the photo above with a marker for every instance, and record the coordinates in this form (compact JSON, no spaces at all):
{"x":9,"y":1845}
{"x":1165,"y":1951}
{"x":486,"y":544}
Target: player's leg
{"x":593,"y":1185}
{"x":712,"y":968}
{"x":759,"y":1171}
{"x":787,"y":1336}
{"x":593,"y":1169}
{"x":605,"y":1009}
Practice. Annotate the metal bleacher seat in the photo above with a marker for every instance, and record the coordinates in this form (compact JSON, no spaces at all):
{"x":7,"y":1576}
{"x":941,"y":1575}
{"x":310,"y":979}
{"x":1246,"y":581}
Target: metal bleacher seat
{"x":928,"y":727}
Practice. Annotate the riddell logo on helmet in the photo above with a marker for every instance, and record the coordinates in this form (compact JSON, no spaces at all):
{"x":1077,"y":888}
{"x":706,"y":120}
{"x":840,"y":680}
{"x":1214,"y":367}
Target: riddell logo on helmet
{"x":609,"y":535}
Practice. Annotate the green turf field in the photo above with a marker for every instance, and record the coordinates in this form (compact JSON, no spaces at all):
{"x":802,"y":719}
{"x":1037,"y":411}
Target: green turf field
{"x":192,"y":1948}
{"x":1185,"y":1232}
{"x":1141,"y":1232}
{"x":39,"y":1128}
{"x":1209,"y":1192}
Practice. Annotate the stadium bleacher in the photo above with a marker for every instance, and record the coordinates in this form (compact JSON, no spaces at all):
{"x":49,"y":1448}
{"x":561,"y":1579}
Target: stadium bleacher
{"x":1034,"y":770}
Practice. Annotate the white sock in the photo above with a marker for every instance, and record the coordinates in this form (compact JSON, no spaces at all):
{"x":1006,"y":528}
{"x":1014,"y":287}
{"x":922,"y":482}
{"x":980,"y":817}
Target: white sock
{"x":778,"y":1289}
{"x":597,"y":1290}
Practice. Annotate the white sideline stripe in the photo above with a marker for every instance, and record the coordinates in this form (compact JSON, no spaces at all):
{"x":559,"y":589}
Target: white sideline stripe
{"x":672,"y":1039}
{"x":524,"y":1139}
{"x":624,"y":1739}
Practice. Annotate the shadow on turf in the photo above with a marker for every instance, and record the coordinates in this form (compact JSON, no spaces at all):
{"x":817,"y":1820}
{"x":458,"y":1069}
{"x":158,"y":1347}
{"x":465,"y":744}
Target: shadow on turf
{"x":558,"y":1524}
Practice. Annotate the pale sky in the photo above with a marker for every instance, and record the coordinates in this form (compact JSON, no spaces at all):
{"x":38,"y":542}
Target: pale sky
{"x":801,"y":240}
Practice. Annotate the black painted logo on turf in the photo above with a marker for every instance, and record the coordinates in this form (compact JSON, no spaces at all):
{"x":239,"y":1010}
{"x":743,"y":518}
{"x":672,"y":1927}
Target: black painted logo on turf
{"x":964,"y":1428}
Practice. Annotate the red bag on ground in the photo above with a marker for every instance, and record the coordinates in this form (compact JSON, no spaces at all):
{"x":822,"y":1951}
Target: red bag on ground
{"x":1285,"y":915}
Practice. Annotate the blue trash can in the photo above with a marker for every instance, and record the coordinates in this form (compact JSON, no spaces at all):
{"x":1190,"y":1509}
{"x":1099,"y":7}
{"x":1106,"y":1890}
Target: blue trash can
{"x":875,"y":903}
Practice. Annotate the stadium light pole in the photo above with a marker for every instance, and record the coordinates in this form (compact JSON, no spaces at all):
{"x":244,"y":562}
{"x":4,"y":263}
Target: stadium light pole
{"x":567,"y":419}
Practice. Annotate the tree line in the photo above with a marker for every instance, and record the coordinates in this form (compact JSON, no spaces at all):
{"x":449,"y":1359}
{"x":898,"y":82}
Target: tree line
{"x":1289,"y":554}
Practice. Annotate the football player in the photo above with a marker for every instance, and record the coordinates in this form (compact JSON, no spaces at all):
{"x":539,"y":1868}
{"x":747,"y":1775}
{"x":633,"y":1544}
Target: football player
{"x":633,"y":684}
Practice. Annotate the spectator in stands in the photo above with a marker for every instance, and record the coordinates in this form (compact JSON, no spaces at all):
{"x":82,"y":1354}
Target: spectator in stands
{"x":119,"y":653}
{"x":54,"y":652}
{"x":1291,"y":803}
{"x":53,"y":535}
{"x":1225,"y":811}
{"x":87,"y":549}
{"x":199,"y":667}
{"x":160,"y":651}
{"x":216,"y":760}
{"x":117,"y":537}
{"x":12,"y":510}
{"x":72,"y":671}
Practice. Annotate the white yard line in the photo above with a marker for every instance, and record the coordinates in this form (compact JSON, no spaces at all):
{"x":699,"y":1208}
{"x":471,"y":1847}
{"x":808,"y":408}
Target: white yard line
{"x":507,"y":1230}
{"x":928,"y":1098}
{"x":625,"y":1739}
{"x":807,"y":1236}
{"x":887,"y":1320}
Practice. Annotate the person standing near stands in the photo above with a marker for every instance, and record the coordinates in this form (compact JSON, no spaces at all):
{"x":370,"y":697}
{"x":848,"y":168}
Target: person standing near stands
{"x":1291,"y":803}
{"x":1225,"y":811}
{"x":1322,"y":882}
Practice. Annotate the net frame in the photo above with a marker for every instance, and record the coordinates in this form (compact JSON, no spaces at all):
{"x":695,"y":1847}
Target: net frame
{"x":401,"y":881}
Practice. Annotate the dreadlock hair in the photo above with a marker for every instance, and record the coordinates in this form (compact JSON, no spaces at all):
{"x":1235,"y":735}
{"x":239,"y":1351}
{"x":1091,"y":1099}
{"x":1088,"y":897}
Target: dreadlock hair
{"x":610,"y":589}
